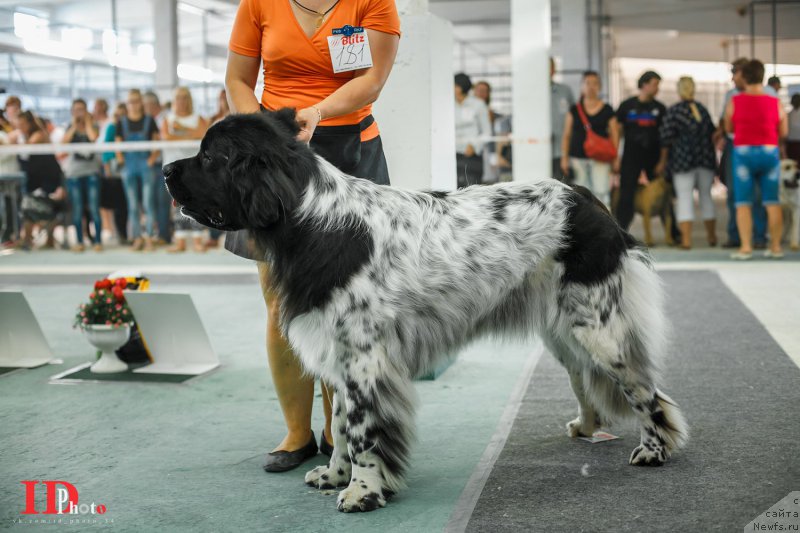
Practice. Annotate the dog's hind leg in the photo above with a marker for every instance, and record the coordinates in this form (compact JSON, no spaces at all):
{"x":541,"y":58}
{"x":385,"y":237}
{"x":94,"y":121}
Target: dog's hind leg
{"x":662,"y":426}
{"x":337,"y":472}
{"x":646,"y":224}
{"x":588,"y":419}
{"x":623,"y":345}
{"x":379,"y":401}
{"x":667,"y":219}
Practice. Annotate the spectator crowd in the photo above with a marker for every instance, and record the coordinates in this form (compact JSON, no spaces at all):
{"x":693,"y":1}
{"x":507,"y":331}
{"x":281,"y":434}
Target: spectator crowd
{"x":643,"y":142}
{"x":119,"y":197}
{"x":114,"y":198}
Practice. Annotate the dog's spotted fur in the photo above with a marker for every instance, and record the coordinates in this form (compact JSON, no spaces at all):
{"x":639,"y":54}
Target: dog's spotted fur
{"x":378,"y":285}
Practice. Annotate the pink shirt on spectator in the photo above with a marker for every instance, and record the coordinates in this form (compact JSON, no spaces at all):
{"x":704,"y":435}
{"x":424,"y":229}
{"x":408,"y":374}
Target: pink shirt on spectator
{"x":755,"y":120}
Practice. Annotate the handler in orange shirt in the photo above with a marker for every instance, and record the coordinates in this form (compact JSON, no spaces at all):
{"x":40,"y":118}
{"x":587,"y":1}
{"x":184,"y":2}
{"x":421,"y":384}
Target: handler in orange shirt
{"x":333,"y":95}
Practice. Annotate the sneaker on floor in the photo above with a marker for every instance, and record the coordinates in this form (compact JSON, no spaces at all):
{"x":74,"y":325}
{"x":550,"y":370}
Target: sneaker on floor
{"x":77,"y":248}
{"x":137,"y":245}
{"x":769,"y":254}
{"x":741,"y":256}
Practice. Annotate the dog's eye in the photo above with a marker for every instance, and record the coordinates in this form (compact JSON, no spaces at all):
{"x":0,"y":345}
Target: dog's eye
{"x":207,"y":157}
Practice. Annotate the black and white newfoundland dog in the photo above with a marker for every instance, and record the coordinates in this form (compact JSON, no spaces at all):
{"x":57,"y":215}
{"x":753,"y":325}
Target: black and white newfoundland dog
{"x":378,"y":285}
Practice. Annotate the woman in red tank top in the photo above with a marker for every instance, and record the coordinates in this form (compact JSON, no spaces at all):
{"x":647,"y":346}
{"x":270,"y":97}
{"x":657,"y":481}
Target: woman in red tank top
{"x":758,"y":123}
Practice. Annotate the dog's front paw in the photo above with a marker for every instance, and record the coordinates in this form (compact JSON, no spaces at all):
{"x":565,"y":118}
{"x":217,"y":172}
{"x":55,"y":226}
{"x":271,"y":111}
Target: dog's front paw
{"x":325,"y":477}
{"x":359,"y":496}
{"x":644,"y":455}
{"x":580,"y":428}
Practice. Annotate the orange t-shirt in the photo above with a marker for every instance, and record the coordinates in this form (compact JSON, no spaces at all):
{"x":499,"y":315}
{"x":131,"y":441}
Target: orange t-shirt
{"x":298,"y":71}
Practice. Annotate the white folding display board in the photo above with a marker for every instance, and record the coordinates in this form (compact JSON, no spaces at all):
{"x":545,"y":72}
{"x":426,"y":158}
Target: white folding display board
{"x":22,"y":342}
{"x":173,"y":333}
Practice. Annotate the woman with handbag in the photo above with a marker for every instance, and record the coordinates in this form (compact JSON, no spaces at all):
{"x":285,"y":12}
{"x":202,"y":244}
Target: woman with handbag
{"x":590,"y":140}
{"x":333,"y":99}
{"x":45,"y":196}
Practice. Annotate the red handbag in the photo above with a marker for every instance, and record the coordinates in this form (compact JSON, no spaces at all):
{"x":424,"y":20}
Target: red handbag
{"x":596,"y":146}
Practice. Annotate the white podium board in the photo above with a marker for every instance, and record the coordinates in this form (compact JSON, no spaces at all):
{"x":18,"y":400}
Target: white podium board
{"x":173,"y":333}
{"x":22,"y":342}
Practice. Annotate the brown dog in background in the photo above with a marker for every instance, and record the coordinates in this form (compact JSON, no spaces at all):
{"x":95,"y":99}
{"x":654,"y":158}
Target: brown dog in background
{"x":651,"y":200}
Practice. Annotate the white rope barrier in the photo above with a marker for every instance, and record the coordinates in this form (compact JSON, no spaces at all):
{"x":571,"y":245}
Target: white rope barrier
{"x":142,"y":146}
{"x":82,"y":148}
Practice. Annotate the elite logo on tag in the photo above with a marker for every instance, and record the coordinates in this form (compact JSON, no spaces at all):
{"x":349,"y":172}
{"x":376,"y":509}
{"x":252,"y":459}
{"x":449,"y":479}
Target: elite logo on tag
{"x":349,"y":48}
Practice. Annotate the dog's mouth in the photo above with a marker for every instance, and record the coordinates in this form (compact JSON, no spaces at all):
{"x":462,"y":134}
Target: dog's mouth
{"x":216,"y":220}
{"x":212,"y":218}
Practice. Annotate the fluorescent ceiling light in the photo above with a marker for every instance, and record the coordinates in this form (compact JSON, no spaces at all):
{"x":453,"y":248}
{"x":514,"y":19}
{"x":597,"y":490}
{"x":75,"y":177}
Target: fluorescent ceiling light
{"x":195,"y":73}
{"x":30,"y":26}
{"x":81,"y":38}
{"x":118,"y":52}
{"x":131,"y":62}
{"x":54,"y":48}
{"x":189,"y":8}
{"x":35,"y":34}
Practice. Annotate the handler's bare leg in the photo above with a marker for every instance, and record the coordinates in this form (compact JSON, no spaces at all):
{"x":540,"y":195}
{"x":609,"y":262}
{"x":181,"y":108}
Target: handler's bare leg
{"x":295,"y":390}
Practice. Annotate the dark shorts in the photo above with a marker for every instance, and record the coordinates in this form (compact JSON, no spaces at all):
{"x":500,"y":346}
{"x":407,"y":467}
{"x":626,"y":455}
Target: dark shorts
{"x":341,"y":146}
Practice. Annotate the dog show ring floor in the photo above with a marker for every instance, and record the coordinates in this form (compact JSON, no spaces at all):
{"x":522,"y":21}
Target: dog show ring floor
{"x":491,"y":452}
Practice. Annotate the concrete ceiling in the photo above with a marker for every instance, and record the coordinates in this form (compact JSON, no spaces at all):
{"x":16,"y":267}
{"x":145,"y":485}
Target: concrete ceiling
{"x":660,"y":29}
{"x":640,"y":28}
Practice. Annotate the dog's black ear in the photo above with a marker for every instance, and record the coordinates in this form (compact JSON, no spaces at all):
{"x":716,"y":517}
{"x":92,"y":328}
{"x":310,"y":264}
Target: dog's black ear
{"x":287,"y":117}
{"x":266,"y":195}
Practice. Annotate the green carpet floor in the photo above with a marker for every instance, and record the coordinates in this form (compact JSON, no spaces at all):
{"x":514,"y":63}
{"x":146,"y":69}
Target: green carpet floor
{"x":166,"y":457}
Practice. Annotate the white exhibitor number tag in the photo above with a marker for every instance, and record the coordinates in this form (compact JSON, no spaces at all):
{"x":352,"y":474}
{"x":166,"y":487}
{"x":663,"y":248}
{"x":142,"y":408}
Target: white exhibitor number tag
{"x":349,"y":48}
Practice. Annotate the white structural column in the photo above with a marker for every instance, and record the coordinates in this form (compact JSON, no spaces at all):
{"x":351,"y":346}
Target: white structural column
{"x":574,"y":42}
{"x":530,"y":56}
{"x":581,"y":35}
{"x":416,"y":110}
{"x":165,"y":26}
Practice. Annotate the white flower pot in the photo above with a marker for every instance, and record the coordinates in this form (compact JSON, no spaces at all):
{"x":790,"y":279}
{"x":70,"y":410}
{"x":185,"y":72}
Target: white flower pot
{"x":108,"y":339}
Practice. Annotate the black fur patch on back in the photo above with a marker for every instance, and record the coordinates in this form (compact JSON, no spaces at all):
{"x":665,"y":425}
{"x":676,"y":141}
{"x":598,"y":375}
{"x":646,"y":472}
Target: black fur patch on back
{"x":595,"y":244}
{"x":308,"y":263}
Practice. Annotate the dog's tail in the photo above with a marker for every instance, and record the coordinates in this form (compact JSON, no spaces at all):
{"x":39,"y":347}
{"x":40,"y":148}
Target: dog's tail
{"x":643,"y":331}
{"x":671,"y":424}
{"x":393,"y":425}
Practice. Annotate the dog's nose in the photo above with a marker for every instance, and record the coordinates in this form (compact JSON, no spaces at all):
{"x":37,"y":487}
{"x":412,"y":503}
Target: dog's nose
{"x":168,"y":170}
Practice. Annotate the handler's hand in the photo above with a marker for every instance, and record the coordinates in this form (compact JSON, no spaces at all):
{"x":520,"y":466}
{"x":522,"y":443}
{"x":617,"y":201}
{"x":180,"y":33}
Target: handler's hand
{"x":308,"y":119}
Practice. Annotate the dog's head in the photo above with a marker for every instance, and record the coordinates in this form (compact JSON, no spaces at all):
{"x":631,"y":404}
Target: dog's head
{"x":788,"y":169}
{"x":249,"y":174}
{"x":790,"y":176}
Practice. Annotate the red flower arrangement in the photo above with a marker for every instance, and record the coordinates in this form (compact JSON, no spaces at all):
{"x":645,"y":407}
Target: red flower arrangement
{"x":107,"y":305}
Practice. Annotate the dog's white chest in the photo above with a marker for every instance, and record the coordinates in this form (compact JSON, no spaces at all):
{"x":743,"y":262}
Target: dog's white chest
{"x":312,"y":340}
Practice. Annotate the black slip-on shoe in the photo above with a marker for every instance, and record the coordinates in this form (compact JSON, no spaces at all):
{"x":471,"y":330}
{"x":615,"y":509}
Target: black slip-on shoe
{"x":324,"y":447}
{"x":282,"y":461}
